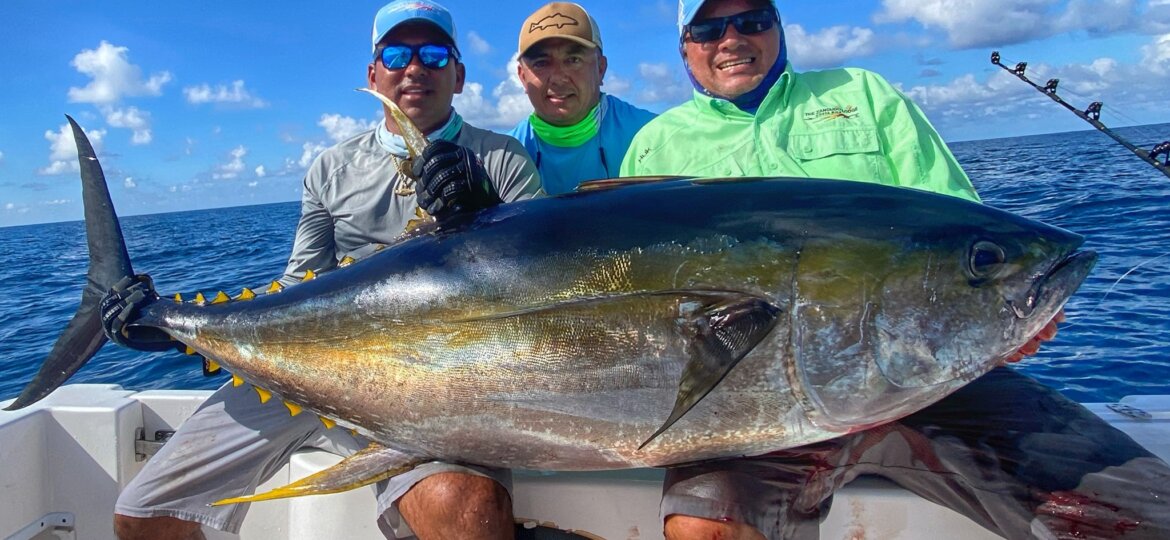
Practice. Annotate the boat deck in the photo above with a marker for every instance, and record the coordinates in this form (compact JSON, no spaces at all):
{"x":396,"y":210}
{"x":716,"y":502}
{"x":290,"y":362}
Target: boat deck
{"x":67,"y":457}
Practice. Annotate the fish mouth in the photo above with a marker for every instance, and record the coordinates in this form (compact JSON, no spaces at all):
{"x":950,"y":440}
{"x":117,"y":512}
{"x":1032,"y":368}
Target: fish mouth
{"x":1055,"y":286}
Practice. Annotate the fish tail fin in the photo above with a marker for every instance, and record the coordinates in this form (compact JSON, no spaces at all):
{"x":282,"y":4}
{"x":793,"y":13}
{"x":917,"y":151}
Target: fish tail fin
{"x":109,"y":262}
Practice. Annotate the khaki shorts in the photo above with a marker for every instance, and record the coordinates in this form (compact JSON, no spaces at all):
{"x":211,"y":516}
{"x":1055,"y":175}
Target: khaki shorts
{"x":232,"y":444}
{"x":1014,"y":456}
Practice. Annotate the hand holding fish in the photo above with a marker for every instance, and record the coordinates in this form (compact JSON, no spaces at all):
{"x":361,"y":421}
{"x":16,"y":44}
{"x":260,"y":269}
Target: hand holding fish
{"x":121,"y":304}
{"x":1033,"y":345}
{"x":451,"y":180}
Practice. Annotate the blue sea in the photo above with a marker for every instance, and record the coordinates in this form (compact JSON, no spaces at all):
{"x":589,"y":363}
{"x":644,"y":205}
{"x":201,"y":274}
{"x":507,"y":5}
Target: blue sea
{"x":1116,"y":341}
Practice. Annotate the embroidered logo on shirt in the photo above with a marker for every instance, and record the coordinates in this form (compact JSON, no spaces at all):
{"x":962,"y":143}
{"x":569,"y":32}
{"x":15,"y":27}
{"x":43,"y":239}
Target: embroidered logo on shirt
{"x":828,"y":114}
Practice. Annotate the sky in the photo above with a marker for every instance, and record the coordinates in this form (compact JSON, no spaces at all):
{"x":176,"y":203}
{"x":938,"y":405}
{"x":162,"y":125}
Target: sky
{"x":195,"y":105}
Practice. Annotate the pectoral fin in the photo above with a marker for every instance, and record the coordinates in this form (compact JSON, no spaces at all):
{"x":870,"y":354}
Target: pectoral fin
{"x":372,"y":464}
{"x":720,"y":331}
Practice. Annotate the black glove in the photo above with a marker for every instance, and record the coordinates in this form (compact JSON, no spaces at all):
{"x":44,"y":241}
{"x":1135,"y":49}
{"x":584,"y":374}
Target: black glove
{"x":452,"y":180}
{"x":121,"y":303}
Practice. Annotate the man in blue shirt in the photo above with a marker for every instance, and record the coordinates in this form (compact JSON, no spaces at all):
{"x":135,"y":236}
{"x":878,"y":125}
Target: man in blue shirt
{"x":576,"y":132}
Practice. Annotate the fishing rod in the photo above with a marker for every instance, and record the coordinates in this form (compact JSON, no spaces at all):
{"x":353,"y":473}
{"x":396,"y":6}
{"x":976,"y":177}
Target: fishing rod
{"x":1092,"y":115}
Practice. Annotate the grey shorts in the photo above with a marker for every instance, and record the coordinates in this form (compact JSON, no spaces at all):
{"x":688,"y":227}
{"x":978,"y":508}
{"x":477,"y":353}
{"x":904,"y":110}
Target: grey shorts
{"x":234,"y":443}
{"x":1014,"y":456}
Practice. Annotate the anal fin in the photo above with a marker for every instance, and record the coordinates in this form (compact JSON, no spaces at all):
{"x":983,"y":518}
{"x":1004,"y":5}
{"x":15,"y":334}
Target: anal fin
{"x":720,"y":330}
{"x":372,"y":464}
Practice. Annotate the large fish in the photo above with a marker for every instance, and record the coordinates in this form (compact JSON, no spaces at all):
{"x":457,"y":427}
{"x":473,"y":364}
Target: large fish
{"x":641,"y":325}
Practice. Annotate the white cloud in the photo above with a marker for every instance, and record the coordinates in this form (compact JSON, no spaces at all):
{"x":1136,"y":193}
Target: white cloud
{"x":477,"y":44}
{"x":340,"y":128}
{"x":616,"y":85}
{"x":507,"y":106}
{"x":828,"y":47}
{"x":232,"y":168}
{"x":662,"y":83}
{"x":966,"y":101}
{"x":113,"y":76}
{"x":989,"y":23}
{"x":1156,"y":55}
{"x":236,"y":95}
{"x":63,"y":149}
{"x":129,"y":183}
{"x":309,"y":151}
{"x":56,"y":202}
{"x":130,"y":118}
{"x":10,"y":206}
{"x":253,"y":184}
{"x":260,"y":173}
{"x":1,"y":156}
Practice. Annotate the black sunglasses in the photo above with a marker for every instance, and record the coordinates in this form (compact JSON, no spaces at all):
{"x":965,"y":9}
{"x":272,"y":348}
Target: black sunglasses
{"x":431,"y":55}
{"x":746,"y":23}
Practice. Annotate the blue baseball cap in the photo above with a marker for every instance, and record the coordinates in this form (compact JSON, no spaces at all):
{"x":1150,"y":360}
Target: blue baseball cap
{"x":687,"y":9}
{"x":400,"y":11}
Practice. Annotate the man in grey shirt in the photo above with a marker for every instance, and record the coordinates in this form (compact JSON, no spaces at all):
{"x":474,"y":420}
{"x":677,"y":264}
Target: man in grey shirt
{"x":355,"y":197}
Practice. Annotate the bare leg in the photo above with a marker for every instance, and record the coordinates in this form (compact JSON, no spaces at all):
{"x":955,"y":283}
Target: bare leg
{"x":156,"y":528}
{"x":456,"y":505}
{"x":680,"y":527}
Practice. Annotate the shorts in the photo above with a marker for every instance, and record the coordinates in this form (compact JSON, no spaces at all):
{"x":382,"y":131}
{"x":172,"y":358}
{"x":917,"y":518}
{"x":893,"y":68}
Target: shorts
{"x":1012,"y":455}
{"x":233,"y":443}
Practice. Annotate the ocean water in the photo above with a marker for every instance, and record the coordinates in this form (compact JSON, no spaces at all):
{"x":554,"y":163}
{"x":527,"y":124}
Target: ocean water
{"x":1116,"y":341}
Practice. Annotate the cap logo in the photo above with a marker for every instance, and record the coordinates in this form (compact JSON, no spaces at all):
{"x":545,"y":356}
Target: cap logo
{"x":558,"y":20}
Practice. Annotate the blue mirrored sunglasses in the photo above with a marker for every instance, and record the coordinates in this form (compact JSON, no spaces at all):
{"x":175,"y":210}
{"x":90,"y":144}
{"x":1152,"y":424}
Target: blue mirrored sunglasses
{"x":431,"y":55}
{"x":746,"y":23}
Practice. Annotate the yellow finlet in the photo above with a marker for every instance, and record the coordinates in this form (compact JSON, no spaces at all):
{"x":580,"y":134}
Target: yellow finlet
{"x":379,"y":247}
{"x":293,"y":408}
{"x":237,"y":380}
{"x":200,"y":300}
{"x":346,"y":261}
{"x":265,"y":395}
{"x":274,"y":288}
{"x":309,"y":275}
{"x":246,"y":294}
{"x":189,"y":351}
{"x":178,"y":298}
{"x":211,"y":366}
{"x":220,"y":298}
{"x":329,"y":424}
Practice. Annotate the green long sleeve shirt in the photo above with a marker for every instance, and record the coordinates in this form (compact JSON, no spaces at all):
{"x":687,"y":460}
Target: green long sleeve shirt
{"x":847,"y":124}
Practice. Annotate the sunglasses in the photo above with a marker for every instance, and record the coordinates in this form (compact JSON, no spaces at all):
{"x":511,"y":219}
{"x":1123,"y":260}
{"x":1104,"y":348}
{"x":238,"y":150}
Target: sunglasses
{"x":746,"y":23}
{"x":432,"y":56}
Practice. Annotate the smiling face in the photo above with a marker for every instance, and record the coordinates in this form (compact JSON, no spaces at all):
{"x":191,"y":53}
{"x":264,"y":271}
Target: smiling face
{"x":734,"y":64}
{"x":424,"y":94}
{"x":562,"y":79}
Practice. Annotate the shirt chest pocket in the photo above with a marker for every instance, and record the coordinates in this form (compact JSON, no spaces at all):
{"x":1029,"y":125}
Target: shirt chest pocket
{"x":848,"y":154}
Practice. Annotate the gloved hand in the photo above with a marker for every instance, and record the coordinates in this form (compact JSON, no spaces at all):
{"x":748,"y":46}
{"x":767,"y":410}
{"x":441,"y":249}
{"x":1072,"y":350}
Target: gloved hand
{"x":452,"y":180}
{"x":121,"y":303}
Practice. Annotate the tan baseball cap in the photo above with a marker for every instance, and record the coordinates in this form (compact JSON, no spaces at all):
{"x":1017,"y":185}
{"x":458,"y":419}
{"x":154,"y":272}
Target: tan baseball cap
{"x":560,"y":20}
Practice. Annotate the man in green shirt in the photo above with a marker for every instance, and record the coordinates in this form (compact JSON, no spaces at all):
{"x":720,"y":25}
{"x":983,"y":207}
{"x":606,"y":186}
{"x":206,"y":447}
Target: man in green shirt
{"x":1012,"y":455}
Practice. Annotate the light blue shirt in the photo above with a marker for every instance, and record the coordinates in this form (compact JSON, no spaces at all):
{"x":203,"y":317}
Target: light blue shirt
{"x":562,"y":168}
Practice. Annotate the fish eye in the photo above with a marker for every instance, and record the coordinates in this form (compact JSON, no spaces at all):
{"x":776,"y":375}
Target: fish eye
{"x":986,"y":259}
